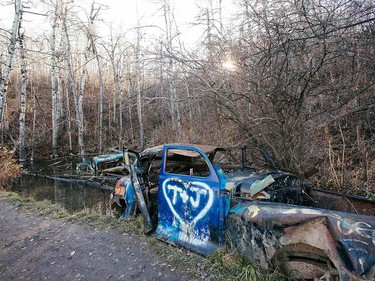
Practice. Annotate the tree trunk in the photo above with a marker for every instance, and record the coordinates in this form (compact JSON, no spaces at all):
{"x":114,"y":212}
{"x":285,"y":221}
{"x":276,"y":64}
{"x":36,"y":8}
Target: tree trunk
{"x":100,"y":97}
{"x":121,"y":107}
{"x":53,"y":85}
{"x":24,"y":78}
{"x":59,"y":97}
{"x":130,"y":108}
{"x":90,"y":36}
{"x":138,"y":91}
{"x":100,"y":107}
{"x":5,"y":78}
{"x":174,"y":105}
{"x":67,"y":120}
{"x":78,"y":97}
{"x":139,"y":113}
{"x":79,"y":113}
{"x":33,"y":130}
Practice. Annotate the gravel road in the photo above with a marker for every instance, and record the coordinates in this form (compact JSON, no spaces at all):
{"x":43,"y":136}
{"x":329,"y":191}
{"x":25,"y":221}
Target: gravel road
{"x":38,"y":248}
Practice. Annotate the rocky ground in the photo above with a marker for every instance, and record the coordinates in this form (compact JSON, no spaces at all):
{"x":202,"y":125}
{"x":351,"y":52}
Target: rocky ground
{"x":41,"y":248}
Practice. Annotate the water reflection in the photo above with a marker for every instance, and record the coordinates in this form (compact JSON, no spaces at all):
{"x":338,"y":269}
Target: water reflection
{"x":72,"y":197}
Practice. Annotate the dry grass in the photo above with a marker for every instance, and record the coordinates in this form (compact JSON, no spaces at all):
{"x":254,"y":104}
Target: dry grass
{"x":48,"y":209}
{"x":348,"y":163}
{"x":9,"y":167}
{"x":234,"y":266}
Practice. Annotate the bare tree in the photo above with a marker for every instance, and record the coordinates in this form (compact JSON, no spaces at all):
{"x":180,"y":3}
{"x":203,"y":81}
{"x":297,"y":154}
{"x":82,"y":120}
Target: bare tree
{"x":55,"y":119}
{"x":175,"y":110}
{"x":90,"y":33}
{"x":137,"y":73}
{"x":77,"y":94}
{"x":11,"y":50}
{"x":23,"y":93}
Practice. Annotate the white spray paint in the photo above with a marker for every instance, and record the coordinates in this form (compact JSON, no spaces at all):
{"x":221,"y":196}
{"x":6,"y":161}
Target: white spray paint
{"x":199,"y":189}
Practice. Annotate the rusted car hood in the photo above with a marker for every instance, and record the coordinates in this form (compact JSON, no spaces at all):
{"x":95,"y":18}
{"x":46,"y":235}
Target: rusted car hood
{"x":352,"y":236}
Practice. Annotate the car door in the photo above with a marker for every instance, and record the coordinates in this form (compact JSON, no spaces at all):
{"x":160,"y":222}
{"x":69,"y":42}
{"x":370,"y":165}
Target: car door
{"x":191,"y":202}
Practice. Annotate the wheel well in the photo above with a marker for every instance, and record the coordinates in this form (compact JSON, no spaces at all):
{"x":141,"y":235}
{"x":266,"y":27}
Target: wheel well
{"x":302,"y":261}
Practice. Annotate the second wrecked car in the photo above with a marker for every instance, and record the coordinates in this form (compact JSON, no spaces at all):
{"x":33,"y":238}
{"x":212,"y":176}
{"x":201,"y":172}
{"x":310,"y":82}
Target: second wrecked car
{"x":203,"y":197}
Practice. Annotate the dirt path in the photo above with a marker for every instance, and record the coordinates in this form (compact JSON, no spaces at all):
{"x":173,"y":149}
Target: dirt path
{"x":37,"y":248}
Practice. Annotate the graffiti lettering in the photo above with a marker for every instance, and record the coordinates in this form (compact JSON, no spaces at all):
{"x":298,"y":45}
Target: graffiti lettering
{"x":176,"y":190}
{"x":195,"y":202}
{"x":346,"y":226}
{"x":363,"y":229}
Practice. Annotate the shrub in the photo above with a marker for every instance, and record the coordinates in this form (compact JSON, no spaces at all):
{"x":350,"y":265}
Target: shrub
{"x":9,"y":167}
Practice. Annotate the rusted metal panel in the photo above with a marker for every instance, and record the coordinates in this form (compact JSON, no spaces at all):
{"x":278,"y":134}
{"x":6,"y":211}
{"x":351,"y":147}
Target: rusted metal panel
{"x":100,"y":162}
{"x":341,"y":202}
{"x":347,"y":239}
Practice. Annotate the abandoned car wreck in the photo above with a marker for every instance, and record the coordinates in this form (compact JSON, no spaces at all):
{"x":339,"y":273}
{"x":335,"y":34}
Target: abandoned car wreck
{"x":205,"y":197}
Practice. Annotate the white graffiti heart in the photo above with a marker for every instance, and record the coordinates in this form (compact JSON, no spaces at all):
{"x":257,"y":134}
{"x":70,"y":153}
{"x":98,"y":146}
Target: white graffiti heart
{"x":193,"y":186}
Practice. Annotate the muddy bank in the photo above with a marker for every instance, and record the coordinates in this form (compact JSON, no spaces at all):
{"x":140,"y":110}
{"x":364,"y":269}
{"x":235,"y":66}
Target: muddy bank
{"x":42,"y":248}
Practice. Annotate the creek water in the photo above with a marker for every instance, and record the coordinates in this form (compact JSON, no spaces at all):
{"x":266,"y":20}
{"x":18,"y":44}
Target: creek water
{"x":36,"y":183}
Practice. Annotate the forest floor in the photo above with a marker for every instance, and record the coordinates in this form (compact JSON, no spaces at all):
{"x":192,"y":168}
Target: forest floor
{"x":35,"y":247}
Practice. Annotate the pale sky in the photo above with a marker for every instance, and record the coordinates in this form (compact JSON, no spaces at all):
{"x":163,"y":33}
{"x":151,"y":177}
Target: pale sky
{"x":122,"y":14}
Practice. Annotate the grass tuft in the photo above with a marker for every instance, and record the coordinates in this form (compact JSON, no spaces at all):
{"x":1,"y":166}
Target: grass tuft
{"x":234,"y":266}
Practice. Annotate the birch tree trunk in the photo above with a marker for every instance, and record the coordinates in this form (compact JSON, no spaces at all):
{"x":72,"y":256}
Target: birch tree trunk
{"x":116,"y":88}
{"x":175,"y":110}
{"x":24,"y":78}
{"x":100,"y":105}
{"x":130,"y":108}
{"x":121,"y":105}
{"x":59,"y":96}
{"x":33,"y":130}
{"x":67,"y":110}
{"x":90,"y":36}
{"x":139,"y":113}
{"x":79,"y":112}
{"x":78,"y":97}
{"x":64,"y":73}
{"x":53,"y":85}
{"x":5,"y":77}
{"x":138,"y":91}
{"x":1,"y":66}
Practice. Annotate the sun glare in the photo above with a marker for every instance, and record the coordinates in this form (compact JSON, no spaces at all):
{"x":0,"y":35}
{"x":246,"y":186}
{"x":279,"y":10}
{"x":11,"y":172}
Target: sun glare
{"x":229,"y":65}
